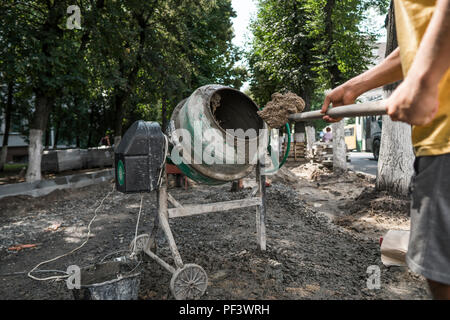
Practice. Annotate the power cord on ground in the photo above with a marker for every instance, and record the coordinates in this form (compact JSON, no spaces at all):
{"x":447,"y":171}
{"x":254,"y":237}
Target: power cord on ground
{"x":72,"y":251}
{"x":133,"y":254}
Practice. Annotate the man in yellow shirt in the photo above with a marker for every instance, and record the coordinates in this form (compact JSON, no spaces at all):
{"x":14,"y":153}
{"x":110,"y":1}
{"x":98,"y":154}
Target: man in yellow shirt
{"x":422,"y":100}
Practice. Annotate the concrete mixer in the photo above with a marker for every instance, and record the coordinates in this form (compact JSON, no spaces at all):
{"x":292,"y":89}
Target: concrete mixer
{"x":214,"y":137}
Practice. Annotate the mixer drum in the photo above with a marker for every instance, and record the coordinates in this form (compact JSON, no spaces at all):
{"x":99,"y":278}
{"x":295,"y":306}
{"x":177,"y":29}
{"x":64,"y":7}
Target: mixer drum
{"x":206,"y":146}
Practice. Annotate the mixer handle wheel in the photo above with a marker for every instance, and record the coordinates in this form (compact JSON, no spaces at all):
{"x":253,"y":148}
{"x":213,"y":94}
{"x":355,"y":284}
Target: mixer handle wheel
{"x":141,"y":243}
{"x":189,"y":282}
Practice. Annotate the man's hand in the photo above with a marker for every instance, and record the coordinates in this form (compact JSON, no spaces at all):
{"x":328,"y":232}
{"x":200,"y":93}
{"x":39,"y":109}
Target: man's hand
{"x":413,"y":102}
{"x":390,"y":70}
{"x":340,"y":96}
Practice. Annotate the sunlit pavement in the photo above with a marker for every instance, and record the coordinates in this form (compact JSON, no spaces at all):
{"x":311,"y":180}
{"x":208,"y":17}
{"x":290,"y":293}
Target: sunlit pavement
{"x":363,"y":162}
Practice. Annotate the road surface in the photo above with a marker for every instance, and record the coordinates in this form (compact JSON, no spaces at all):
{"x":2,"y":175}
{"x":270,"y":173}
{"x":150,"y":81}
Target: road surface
{"x":363,"y":162}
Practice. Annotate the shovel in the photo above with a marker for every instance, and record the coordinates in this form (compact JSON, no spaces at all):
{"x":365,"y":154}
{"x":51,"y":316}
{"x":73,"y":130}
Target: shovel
{"x":374,"y":108}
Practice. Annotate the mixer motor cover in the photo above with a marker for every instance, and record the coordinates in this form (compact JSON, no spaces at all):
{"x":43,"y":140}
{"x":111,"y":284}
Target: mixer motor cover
{"x":139,"y":158}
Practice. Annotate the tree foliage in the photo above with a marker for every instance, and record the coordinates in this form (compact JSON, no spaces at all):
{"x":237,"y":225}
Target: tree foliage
{"x":308,"y":46}
{"x":130,"y":60}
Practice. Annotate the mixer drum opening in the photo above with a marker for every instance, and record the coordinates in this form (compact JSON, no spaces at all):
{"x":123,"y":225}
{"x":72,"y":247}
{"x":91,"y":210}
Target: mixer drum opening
{"x":232,"y":109}
{"x":206,"y":153}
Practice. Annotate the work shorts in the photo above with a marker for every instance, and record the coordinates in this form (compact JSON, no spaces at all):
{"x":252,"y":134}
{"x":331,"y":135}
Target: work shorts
{"x":429,"y":244}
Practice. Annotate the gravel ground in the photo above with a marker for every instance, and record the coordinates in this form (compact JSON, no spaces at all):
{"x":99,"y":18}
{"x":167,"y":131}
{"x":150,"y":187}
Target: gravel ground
{"x":309,"y":256}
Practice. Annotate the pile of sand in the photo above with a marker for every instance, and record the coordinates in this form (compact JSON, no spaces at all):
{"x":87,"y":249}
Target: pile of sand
{"x":277,"y":111}
{"x":311,"y":171}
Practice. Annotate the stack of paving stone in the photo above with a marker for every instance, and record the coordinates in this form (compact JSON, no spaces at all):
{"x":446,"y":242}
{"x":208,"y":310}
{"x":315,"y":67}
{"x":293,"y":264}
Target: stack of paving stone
{"x":322,"y":152}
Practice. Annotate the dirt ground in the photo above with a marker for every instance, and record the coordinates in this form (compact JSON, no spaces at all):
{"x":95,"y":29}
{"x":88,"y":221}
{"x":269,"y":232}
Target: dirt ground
{"x":322,"y":236}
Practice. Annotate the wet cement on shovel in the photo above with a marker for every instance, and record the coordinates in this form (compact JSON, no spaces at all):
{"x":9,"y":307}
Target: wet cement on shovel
{"x":277,"y":111}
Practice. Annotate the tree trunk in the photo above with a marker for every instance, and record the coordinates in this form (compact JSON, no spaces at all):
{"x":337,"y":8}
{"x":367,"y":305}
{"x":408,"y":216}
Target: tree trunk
{"x":339,"y":147}
{"x":391,"y":41}
{"x":69,"y":139}
{"x":333,"y":69}
{"x":164,"y":115}
{"x":35,"y":148}
{"x":3,"y":155}
{"x":122,"y":96}
{"x":120,"y":110}
{"x":310,"y":137}
{"x":57,"y":129}
{"x":91,"y":128}
{"x":44,"y":95}
{"x":299,"y":132}
{"x":396,"y":162}
{"x":300,"y":127}
{"x":47,"y":137}
{"x":8,"y":110}
{"x":37,"y":129}
{"x":89,"y":143}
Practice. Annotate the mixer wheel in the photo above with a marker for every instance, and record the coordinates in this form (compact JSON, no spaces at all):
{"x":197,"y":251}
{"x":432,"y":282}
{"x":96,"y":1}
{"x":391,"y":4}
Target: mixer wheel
{"x":141,"y":242}
{"x":189,"y":282}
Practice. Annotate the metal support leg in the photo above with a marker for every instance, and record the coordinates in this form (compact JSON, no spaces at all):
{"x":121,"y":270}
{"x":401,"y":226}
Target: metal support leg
{"x":261,"y":209}
{"x":152,"y":244}
{"x":164,"y":223}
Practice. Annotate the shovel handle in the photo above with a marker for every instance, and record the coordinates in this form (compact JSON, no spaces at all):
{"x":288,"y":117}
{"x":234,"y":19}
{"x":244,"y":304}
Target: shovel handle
{"x":374,"y":108}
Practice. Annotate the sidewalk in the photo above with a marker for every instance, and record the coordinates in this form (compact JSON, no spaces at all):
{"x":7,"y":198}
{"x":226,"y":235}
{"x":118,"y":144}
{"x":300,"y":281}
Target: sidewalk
{"x":44,"y":187}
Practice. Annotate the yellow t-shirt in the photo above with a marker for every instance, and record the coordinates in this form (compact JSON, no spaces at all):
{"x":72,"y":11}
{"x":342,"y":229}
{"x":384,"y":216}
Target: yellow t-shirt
{"x":412,"y":19}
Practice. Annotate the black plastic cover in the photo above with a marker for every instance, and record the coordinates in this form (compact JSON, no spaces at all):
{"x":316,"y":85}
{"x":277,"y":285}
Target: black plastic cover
{"x":139,"y":158}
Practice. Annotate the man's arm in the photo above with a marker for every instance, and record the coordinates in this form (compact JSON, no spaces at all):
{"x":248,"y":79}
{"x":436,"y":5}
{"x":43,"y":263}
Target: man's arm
{"x":416,"y":100}
{"x":389,"y":71}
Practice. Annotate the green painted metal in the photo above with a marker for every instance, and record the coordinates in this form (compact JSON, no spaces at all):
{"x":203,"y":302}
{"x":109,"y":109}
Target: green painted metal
{"x":120,"y":173}
{"x":195,"y":116}
{"x":286,"y":154}
{"x":194,"y":175}
{"x":288,"y":148}
{"x":191,"y":173}
{"x":359,"y":146}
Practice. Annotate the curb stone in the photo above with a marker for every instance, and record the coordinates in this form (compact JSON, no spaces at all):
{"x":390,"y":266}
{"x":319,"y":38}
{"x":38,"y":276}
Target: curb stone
{"x":44,"y":187}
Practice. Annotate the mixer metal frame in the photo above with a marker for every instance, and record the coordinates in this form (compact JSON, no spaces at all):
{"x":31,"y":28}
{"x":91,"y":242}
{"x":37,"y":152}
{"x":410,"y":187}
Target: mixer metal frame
{"x":190,"y":281}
